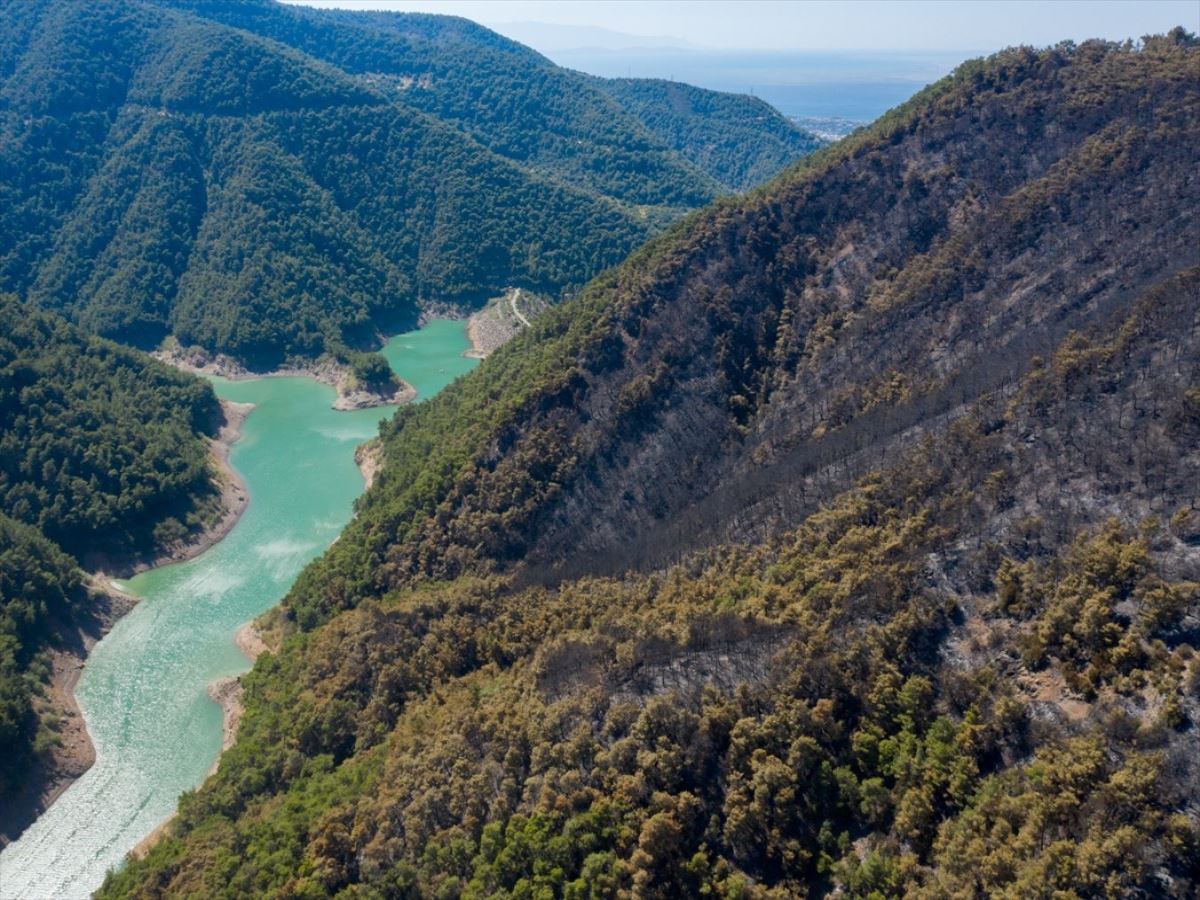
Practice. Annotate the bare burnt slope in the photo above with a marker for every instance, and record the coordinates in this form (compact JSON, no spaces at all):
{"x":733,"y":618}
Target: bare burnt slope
{"x":766,"y":353}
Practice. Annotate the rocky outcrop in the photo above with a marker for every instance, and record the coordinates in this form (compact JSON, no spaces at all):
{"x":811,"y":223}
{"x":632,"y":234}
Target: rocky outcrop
{"x":350,"y":394}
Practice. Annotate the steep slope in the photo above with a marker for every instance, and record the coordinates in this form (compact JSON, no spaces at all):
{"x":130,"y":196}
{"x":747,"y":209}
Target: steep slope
{"x":164,"y":174}
{"x":102,"y":453}
{"x":740,"y":141}
{"x":504,"y":95}
{"x":921,"y":422}
{"x":101,"y":448}
{"x":740,"y":371}
{"x":40,"y":586}
{"x":633,"y":141}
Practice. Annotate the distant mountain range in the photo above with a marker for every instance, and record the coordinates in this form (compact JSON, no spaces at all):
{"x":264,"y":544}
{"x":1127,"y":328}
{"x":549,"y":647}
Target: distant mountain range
{"x":269,"y":181}
{"x":858,"y":85}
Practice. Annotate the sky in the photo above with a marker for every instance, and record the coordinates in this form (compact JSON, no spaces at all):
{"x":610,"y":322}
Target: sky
{"x":892,"y":25}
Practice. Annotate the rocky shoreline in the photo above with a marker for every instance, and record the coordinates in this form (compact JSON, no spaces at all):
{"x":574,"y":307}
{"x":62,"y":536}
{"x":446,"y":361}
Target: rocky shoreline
{"x":250,"y":641}
{"x":359,"y":398}
{"x":227,"y":692}
{"x":499,"y":322}
{"x":369,"y":459}
{"x":325,"y":370}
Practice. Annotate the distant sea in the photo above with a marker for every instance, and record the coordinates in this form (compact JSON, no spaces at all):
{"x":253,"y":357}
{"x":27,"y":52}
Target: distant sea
{"x":853,"y":87}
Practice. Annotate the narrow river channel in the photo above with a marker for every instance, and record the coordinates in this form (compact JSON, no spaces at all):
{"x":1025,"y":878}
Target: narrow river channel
{"x":143,"y":690}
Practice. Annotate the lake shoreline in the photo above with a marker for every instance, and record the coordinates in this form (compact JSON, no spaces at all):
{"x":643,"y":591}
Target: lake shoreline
{"x":369,"y":459}
{"x":234,"y":498}
{"x":329,"y":372}
{"x":76,"y":753}
{"x":309,"y":437}
{"x":226,"y":693}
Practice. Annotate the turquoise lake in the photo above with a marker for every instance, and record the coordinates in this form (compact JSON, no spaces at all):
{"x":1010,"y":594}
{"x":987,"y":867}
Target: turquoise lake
{"x":143,"y":691}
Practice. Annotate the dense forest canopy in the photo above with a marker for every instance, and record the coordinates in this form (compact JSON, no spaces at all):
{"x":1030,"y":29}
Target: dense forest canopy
{"x":40,"y":589}
{"x":629,"y":139}
{"x":271,"y":182}
{"x":101,"y":448}
{"x":741,"y":141}
{"x":843,"y":540}
{"x":102,"y":454}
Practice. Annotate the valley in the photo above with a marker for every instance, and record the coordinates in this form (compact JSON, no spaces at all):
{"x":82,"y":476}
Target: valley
{"x":144,"y":690}
{"x":842,"y":540}
{"x":428,"y":470}
{"x":254,"y":179}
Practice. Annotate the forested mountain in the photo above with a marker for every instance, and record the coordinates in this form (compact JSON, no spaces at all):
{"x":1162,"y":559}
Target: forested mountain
{"x":637,"y":141}
{"x":845,"y":538}
{"x":259,"y":181}
{"x":40,"y":587}
{"x":102,"y":451}
{"x":100,"y":447}
{"x":733,"y":362}
{"x":740,"y":141}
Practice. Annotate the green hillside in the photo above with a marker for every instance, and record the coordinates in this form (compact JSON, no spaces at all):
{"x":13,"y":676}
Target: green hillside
{"x":40,"y":588}
{"x":631,"y":141}
{"x":841,"y":541}
{"x":503,"y":95}
{"x":165,"y":173}
{"x":102,"y":453}
{"x":740,"y":141}
{"x":244,"y":198}
{"x":100,"y":447}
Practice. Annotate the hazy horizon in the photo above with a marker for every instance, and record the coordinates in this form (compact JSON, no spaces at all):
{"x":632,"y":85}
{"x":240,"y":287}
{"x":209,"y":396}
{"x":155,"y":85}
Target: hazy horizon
{"x":765,"y":25}
{"x":820,"y":59}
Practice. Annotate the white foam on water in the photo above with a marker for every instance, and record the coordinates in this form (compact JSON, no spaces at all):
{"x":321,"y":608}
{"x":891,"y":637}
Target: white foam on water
{"x":283,"y":556}
{"x":351,"y":433}
{"x":211,"y":582}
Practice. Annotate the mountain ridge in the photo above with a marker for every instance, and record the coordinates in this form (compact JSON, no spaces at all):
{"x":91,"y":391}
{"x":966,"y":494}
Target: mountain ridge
{"x":670,"y":363}
{"x":165,"y":173}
